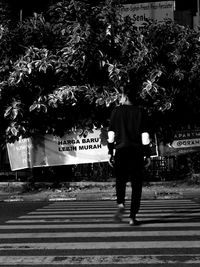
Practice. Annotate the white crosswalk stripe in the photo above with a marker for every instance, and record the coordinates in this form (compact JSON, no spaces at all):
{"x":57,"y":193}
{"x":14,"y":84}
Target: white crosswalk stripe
{"x":84,"y":234}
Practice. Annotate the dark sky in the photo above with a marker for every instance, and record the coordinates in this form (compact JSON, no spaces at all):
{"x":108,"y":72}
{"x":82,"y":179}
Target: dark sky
{"x":186,"y":4}
{"x":28,"y":4}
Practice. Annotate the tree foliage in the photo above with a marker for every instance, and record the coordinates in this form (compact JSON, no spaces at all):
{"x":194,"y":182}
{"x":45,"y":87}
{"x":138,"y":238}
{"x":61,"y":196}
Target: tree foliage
{"x":67,"y":67}
{"x":175,"y":90}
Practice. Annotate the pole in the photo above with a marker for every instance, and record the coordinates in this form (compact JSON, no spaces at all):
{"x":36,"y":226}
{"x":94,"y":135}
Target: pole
{"x":196,"y":20}
{"x":20,"y":15}
{"x":198,"y":7}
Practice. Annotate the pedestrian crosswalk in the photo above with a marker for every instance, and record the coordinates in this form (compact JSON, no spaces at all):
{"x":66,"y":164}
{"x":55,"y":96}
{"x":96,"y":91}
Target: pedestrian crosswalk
{"x":83,"y":233}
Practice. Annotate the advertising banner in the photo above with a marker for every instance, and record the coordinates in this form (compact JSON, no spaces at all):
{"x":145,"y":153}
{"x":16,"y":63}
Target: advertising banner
{"x":19,"y":154}
{"x":141,"y":12}
{"x":78,"y":147}
{"x":75,"y":148}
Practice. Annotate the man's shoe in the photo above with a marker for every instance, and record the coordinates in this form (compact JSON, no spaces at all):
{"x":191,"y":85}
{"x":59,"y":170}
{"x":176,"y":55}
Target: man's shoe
{"x":119,"y":213}
{"x":134,"y":222}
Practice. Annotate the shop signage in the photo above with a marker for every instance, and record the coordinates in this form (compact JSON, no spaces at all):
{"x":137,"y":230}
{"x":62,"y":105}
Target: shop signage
{"x":142,"y":12}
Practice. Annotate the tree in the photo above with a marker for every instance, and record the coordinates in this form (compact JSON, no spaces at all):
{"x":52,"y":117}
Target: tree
{"x":175,"y":89}
{"x":66,"y":69}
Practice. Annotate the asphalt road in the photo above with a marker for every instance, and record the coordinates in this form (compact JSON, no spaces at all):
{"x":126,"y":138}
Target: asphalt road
{"x":82,"y":233}
{"x":12,"y":210}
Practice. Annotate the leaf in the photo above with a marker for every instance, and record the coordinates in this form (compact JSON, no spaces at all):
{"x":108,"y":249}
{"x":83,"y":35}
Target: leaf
{"x":14,"y":113}
{"x":8,"y":111}
{"x":33,"y":107}
{"x":14,"y":131}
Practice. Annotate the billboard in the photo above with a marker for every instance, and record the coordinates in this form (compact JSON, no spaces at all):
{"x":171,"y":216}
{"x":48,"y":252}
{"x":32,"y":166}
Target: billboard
{"x":152,"y":10}
{"x":77,"y":147}
{"x":74,"y":148}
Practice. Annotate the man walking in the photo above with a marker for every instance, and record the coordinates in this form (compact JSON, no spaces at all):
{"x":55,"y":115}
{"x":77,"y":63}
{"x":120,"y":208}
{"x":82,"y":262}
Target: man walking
{"x":128,"y":135}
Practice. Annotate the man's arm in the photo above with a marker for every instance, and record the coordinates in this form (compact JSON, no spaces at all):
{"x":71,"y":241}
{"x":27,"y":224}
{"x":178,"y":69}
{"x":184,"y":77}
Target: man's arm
{"x":111,"y":138}
{"x":146,"y":148}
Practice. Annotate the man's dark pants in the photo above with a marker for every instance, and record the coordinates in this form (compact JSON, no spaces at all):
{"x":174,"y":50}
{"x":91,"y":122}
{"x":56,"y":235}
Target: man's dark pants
{"x":129,"y":163}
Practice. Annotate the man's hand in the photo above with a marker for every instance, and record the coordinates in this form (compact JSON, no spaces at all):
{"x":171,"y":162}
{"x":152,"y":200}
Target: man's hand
{"x":147,"y":162}
{"x":111,"y":160}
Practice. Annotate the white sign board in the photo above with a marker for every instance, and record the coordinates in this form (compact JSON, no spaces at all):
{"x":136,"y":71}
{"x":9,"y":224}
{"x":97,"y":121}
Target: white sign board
{"x":153,"y":10}
{"x":186,"y":143}
{"x":75,"y":148}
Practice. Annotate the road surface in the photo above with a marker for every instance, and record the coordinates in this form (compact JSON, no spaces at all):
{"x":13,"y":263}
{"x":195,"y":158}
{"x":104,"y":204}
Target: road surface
{"x":84,"y":234}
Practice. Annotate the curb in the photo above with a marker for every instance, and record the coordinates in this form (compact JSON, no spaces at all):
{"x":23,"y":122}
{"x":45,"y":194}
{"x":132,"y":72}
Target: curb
{"x":97,"y":191}
{"x":97,"y":197}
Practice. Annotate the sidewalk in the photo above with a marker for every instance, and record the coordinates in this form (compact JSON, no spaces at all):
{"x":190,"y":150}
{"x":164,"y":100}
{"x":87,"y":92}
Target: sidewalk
{"x":13,"y":192}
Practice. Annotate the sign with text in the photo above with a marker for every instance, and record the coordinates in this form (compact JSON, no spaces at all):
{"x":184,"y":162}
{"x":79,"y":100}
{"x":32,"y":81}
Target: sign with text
{"x":187,"y":138}
{"x":78,"y":147}
{"x":185,"y":141}
{"x":19,"y":154}
{"x":153,"y":10}
{"x":75,"y":148}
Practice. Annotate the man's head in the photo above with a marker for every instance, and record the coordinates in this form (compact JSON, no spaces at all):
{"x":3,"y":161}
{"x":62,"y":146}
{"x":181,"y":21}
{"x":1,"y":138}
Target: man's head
{"x":128,"y":94}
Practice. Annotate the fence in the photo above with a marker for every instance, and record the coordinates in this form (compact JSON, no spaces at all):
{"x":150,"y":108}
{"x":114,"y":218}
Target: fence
{"x":161,"y":169}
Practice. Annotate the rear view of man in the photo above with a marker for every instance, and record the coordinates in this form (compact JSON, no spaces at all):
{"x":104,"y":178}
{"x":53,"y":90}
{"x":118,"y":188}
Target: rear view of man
{"x":128,"y":135}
